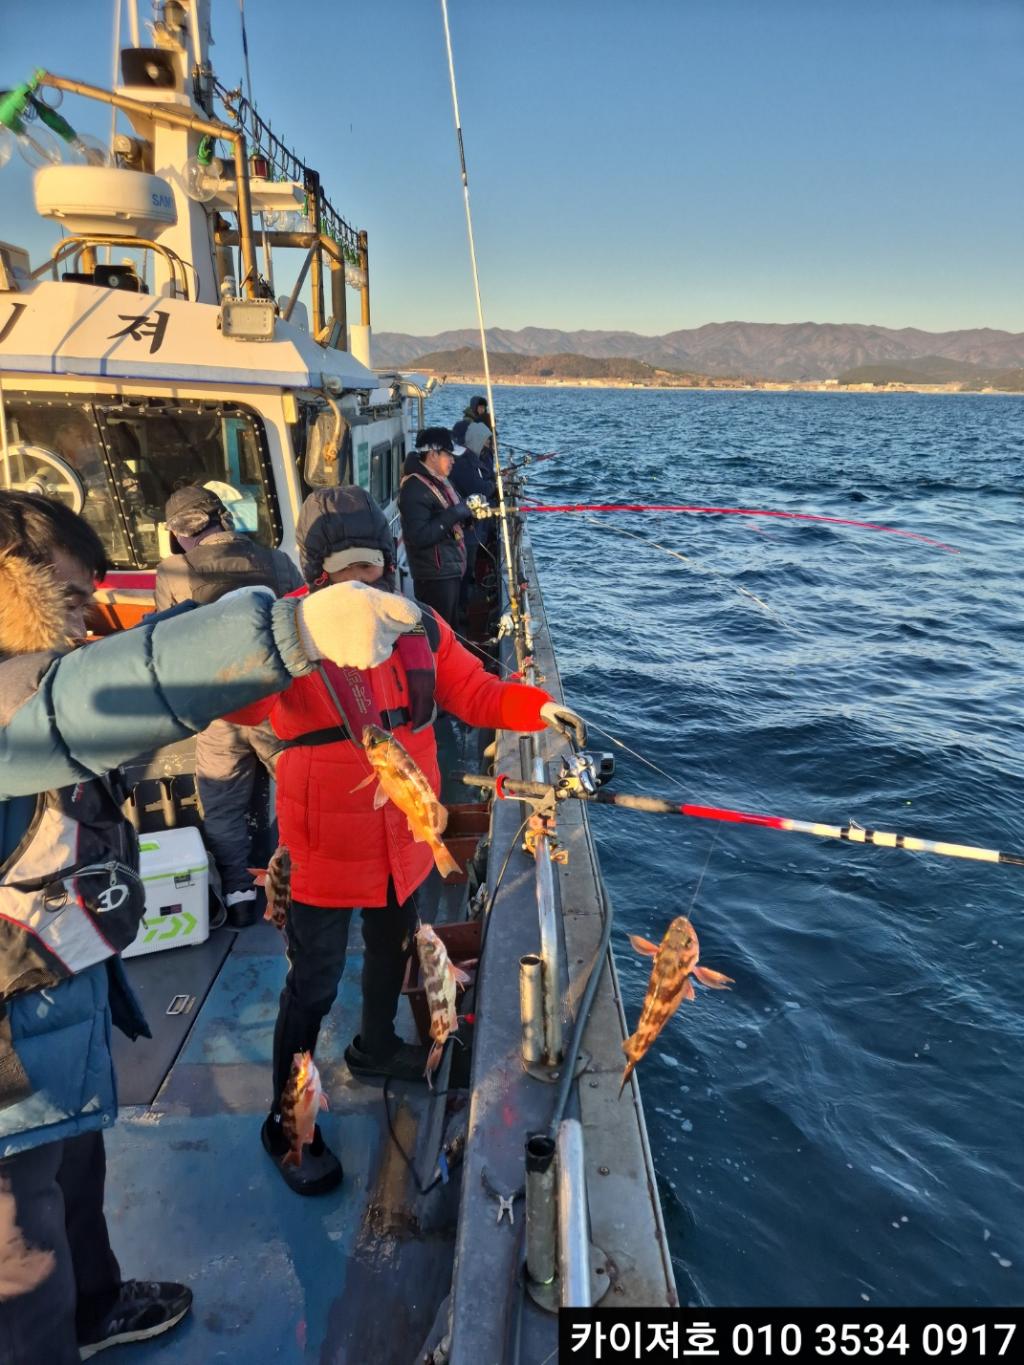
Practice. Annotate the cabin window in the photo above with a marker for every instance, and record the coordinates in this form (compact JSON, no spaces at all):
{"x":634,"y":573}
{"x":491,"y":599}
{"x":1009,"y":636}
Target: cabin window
{"x":132,"y":454}
{"x":380,"y":473}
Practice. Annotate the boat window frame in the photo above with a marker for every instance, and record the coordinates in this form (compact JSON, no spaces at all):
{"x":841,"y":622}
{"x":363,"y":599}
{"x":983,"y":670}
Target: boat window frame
{"x":99,"y":406}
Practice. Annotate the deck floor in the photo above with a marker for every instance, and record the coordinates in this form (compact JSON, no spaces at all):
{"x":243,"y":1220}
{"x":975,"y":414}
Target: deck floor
{"x":355,"y":1275}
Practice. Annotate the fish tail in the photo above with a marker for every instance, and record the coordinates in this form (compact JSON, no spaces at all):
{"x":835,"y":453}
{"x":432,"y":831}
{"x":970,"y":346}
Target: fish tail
{"x":626,"y":1074}
{"x":444,"y":861}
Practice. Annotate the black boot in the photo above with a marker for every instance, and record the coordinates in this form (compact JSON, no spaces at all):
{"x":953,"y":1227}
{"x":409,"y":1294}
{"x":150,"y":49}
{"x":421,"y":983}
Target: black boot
{"x":319,"y":1169}
{"x":404,"y":1062}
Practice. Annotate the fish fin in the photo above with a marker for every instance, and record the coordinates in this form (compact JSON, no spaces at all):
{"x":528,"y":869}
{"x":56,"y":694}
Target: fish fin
{"x":380,"y":798}
{"x":258,"y":874}
{"x":643,"y":946}
{"x":370,"y":777}
{"x":291,"y":1158}
{"x":323,"y":1101}
{"x":688,"y":992}
{"x":715,"y":980}
{"x":463,"y":978}
{"x":626,"y":1075}
{"x":446,"y":864}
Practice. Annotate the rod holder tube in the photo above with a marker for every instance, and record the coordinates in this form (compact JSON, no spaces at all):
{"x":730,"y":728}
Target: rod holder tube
{"x":573,"y":1223}
{"x":531,"y":1007}
{"x":548,"y":916}
{"x":541,"y":1246}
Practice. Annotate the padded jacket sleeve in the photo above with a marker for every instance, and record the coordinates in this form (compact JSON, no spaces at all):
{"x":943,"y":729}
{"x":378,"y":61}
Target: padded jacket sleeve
{"x":65,"y":719}
{"x":465,"y":688}
{"x":423,"y":517}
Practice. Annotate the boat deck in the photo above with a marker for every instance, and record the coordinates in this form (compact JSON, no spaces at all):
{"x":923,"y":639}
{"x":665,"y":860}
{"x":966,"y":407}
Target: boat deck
{"x":355,"y":1275}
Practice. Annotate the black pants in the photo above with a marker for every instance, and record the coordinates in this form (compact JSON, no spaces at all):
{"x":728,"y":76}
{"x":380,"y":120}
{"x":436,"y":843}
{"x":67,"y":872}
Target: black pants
{"x":58,"y":1207}
{"x":443,"y":595}
{"x":317,"y":944}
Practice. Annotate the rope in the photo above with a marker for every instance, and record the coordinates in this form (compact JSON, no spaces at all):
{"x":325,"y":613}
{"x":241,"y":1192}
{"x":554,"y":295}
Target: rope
{"x":502,"y":506}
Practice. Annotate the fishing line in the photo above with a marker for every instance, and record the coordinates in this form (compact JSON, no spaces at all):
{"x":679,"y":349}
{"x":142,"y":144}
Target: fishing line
{"x":700,"y":879}
{"x":697,"y":564}
{"x":734,"y":512}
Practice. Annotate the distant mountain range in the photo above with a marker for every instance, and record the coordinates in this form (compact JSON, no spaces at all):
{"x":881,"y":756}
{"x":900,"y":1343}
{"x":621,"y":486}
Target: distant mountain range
{"x":768,"y":350}
{"x":505,"y":364}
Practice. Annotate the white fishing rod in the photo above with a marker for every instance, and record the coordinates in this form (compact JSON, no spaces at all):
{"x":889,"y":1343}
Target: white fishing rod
{"x":513,"y":587}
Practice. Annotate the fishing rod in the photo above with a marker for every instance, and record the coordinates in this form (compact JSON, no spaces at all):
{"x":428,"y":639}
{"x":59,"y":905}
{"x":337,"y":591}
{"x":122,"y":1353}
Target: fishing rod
{"x":731,"y":512}
{"x":581,"y":783}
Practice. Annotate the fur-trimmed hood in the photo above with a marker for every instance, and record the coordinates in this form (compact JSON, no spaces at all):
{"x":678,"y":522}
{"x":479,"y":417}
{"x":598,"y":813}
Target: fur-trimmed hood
{"x":32,"y":609}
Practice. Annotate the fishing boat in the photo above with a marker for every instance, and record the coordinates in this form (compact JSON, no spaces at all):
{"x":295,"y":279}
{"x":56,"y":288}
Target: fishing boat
{"x":152,"y":349}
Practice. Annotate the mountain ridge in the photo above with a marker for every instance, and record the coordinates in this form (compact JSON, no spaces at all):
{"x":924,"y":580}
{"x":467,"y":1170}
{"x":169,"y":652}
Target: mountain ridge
{"x":773,"y":350}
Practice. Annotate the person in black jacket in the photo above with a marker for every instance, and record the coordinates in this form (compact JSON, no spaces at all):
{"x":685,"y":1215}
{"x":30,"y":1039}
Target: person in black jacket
{"x":473,"y":472}
{"x":433,"y":517}
{"x":476,"y":411}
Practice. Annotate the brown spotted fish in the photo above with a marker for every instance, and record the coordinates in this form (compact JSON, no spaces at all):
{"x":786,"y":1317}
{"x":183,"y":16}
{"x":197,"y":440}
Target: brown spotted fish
{"x":402,"y":782}
{"x":301,"y":1103}
{"x":675,"y":963}
{"x":440,"y":979}
{"x":276,"y":879}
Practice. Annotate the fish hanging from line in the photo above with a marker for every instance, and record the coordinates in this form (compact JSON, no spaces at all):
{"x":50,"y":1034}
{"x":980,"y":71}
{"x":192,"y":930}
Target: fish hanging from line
{"x":301,"y":1103}
{"x":402,"y":782}
{"x":440,"y":980}
{"x":276,"y":879}
{"x":675,"y":964}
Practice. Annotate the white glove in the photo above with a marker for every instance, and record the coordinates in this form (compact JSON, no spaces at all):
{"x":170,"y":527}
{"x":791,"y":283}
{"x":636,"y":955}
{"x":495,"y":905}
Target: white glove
{"x":352,"y":624}
{"x":562,"y":719}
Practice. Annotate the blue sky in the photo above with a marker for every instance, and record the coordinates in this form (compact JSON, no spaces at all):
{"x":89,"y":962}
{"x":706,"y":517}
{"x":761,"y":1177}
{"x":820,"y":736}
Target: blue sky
{"x":643,"y":165}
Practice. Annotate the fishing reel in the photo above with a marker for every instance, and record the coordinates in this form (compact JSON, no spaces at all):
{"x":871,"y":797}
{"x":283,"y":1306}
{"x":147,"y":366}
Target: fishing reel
{"x":582,"y":773}
{"x":480,"y":507}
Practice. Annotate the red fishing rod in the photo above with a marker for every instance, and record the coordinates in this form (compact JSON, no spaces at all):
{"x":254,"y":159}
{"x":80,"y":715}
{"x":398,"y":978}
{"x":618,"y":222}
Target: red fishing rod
{"x":532,"y":507}
{"x":570,"y":785}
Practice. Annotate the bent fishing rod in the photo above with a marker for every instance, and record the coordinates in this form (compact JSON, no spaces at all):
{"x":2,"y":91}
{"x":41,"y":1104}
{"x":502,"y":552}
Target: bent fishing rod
{"x":582,"y":781}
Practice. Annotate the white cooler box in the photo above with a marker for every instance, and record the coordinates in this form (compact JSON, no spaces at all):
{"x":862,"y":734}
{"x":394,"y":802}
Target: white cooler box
{"x":176,"y":874}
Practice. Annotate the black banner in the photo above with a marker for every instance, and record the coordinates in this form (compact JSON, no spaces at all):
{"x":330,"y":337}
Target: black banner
{"x":735,"y":1336}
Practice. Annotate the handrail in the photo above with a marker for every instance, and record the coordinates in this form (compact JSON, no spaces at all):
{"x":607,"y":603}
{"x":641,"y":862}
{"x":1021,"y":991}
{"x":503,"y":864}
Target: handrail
{"x":70,"y":246}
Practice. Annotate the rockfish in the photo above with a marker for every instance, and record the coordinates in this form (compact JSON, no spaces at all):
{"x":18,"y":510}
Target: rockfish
{"x":402,"y":782}
{"x":276,"y":879}
{"x":440,"y":979}
{"x":675,"y":963}
{"x":301,"y":1103}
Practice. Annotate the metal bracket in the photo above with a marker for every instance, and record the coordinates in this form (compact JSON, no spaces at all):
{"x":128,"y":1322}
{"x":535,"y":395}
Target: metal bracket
{"x":552,"y":1074}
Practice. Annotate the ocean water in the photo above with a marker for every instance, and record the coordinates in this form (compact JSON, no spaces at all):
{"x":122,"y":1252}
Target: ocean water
{"x":845,"y":1125}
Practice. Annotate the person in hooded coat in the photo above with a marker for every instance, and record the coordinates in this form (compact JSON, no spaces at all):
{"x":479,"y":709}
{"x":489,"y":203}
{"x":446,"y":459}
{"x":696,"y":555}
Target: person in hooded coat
{"x":347,"y":850}
{"x":214,"y":559}
{"x":475,"y":411}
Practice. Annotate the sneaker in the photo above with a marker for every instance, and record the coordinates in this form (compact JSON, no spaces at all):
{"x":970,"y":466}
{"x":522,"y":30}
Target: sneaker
{"x":407,"y":1061}
{"x":319,"y":1170}
{"x":144,"y":1309}
{"x":242,"y":908}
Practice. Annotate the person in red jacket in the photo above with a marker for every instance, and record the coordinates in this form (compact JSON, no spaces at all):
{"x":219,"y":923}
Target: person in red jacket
{"x":347,"y":853}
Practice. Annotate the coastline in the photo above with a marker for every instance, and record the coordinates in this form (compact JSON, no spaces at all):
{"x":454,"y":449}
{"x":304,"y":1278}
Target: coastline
{"x":771,"y":386}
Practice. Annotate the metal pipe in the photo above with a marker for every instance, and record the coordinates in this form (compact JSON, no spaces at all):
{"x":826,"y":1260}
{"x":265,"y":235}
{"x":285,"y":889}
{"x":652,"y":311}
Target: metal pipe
{"x":293,"y":297}
{"x":339,"y":301}
{"x":316,"y":289}
{"x":548,"y":917}
{"x":573,"y":1229}
{"x":541,"y":1234}
{"x":364,"y":265}
{"x":531,"y":1006}
{"x":4,"y":447}
{"x":249,"y":267}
